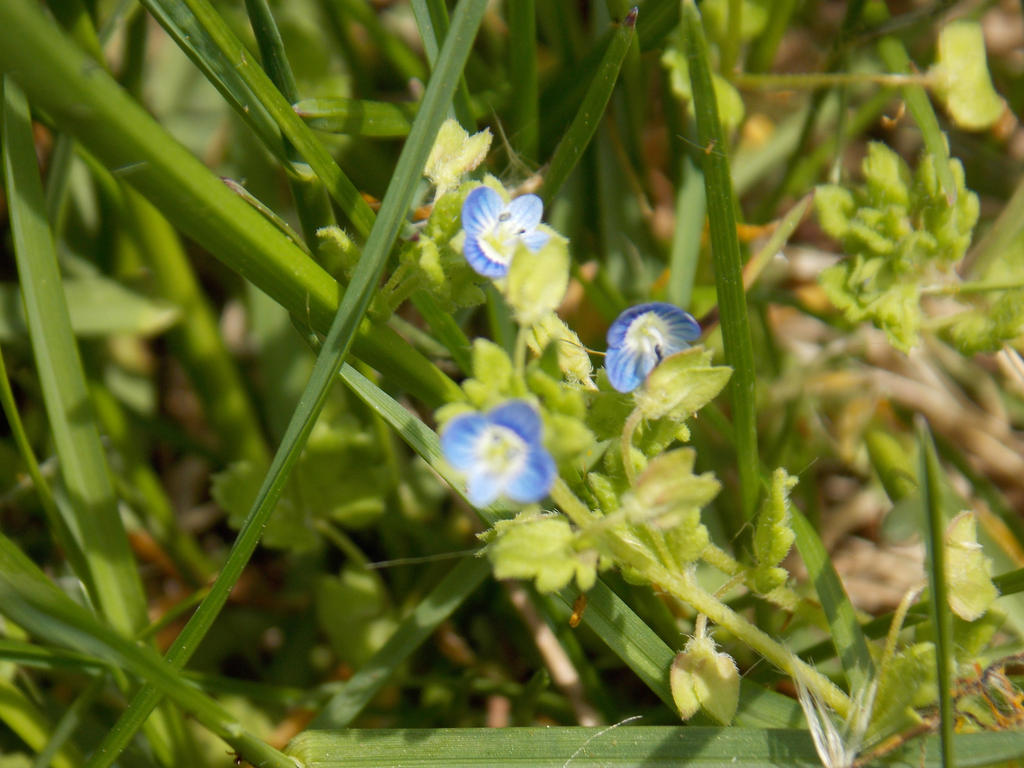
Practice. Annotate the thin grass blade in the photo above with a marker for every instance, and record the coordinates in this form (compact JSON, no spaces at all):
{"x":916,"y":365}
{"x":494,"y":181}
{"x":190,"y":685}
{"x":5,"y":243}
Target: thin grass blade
{"x":847,"y":636}
{"x":930,"y":483}
{"x":122,"y":136}
{"x":728,"y":261}
{"x":350,"y":313}
{"x":581,"y":130}
{"x":358,"y":117}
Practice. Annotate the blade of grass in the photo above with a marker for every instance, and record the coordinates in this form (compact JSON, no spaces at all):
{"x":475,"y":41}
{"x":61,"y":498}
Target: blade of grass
{"x":116,"y":588}
{"x":581,"y":130}
{"x":725,"y":250}
{"x":55,"y":522}
{"x":604,"y":747}
{"x":432,"y":22}
{"x":30,"y":600}
{"x":29,"y":723}
{"x":57,"y":743}
{"x":354,"y":303}
{"x":358,"y":117}
{"x":846,"y":632}
{"x":311,"y":199}
{"x":930,"y":483}
{"x":522,"y":67}
{"x":87,"y":103}
{"x":228,"y":48}
{"x":690,"y":206}
{"x":445,"y":329}
{"x":414,"y":629}
{"x":83,"y":465}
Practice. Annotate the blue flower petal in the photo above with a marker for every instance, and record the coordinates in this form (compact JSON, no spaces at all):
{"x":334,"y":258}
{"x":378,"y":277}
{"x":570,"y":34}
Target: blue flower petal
{"x":535,"y":480}
{"x":525,"y":213}
{"x":681,"y":326}
{"x":626,"y":372}
{"x":478,"y":259}
{"x":617,"y":331}
{"x":459,"y":440}
{"x":482,"y":488}
{"x":535,"y":240}
{"x":521,"y":418}
{"x":481,"y":210}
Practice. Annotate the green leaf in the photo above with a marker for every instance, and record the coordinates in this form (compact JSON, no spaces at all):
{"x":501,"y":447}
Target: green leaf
{"x":537,"y":280}
{"x":97,"y":306}
{"x":356,"y":117}
{"x":701,"y":675}
{"x":962,"y":79}
{"x":730,"y":104}
{"x":543,"y":548}
{"x":773,"y":534}
{"x":681,"y":384}
{"x":847,"y":636}
{"x":971,"y":590}
{"x":454,"y":154}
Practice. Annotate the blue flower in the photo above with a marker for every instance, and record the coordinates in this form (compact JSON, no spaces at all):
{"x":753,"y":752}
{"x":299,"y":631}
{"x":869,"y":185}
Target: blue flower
{"x":494,"y":228}
{"x":500,"y":452}
{"x":641,"y":337}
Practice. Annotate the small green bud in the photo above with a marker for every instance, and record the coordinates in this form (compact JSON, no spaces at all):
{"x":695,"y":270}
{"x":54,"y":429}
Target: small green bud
{"x":454,"y":154}
{"x":336,"y":249}
{"x":573,"y":358}
{"x":702,"y":676}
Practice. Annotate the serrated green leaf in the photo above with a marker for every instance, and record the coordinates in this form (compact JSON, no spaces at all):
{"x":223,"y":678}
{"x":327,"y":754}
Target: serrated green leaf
{"x":542,"y":548}
{"x":971,"y":590}
{"x":681,"y":385}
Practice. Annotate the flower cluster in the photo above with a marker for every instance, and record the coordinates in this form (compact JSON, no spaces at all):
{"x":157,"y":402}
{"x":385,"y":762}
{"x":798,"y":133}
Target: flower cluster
{"x":501,"y":452}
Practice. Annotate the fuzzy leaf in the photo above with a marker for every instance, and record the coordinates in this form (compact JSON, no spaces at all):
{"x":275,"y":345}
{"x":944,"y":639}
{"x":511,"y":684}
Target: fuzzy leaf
{"x":542,"y":548}
{"x":971,"y":590}
{"x":962,"y":78}
{"x":454,"y":154}
{"x":700,"y":675}
{"x":573,"y":358}
{"x":537,"y":280}
{"x":681,"y":385}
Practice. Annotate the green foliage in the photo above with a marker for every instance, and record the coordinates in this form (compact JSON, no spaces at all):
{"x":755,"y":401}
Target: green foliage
{"x":683,"y":384}
{"x":542,"y":548}
{"x":702,"y":677}
{"x":971,"y":590}
{"x":899,"y":233}
{"x":963,"y":80}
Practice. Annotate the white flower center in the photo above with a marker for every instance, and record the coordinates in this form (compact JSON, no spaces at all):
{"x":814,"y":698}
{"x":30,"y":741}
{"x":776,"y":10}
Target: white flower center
{"x":500,"y":242}
{"x":647,"y":336}
{"x":501,"y":450}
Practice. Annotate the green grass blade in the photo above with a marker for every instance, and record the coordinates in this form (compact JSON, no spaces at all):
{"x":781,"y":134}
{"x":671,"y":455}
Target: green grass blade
{"x":83,"y":464}
{"x":581,"y":130}
{"x":123,"y":136}
{"x":522,"y":67}
{"x":230,"y":49}
{"x":930,"y":483}
{"x":59,"y":528}
{"x":432,"y":21}
{"x":31,"y":601}
{"x":615,"y":747}
{"x":358,"y":117}
{"x":690,"y":207}
{"x":414,"y":629}
{"x":445,"y":329}
{"x":725,"y":249}
{"x":353,"y":306}
{"x":847,"y":636}
{"x":31,"y":724}
{"x":194,"y":41}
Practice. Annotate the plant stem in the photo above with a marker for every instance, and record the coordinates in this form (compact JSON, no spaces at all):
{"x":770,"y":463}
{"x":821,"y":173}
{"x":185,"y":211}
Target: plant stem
{"x":979,"y":286}
{"x":628,"y":429}
{"x":812,"y":80}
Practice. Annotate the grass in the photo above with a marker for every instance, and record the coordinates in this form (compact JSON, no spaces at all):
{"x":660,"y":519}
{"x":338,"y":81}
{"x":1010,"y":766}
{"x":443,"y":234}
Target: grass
{"x":228,"y":529}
